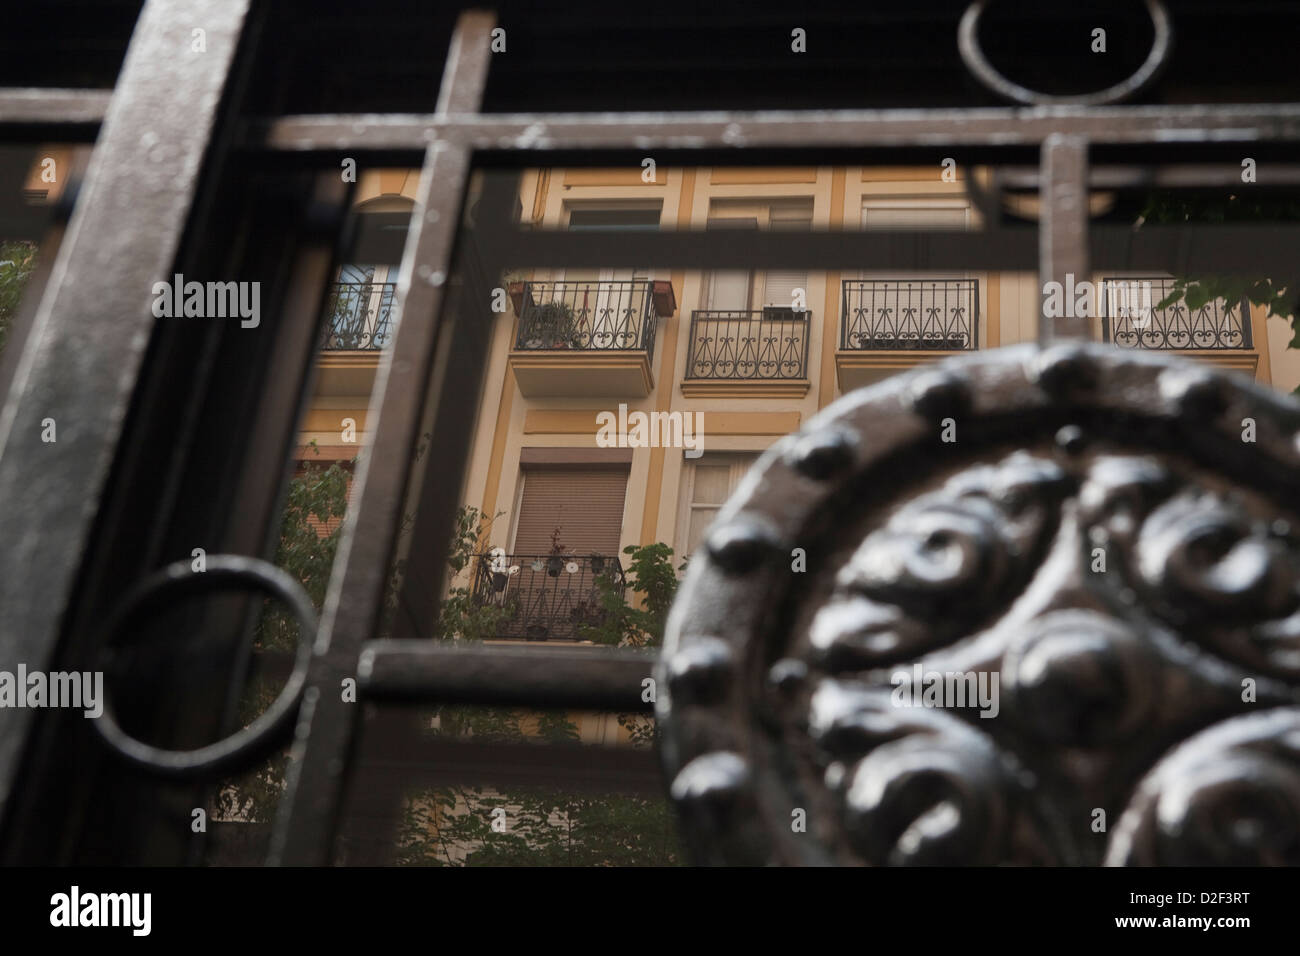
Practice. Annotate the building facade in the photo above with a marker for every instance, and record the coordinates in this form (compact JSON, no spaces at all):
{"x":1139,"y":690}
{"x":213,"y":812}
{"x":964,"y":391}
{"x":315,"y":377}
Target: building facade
{"x":622,"y":406}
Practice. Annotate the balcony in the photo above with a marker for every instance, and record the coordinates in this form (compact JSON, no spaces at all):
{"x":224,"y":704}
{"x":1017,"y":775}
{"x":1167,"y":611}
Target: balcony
{"x":358,"y":325}
{"x":587,"y":339}
{"x":748,"y":354}
{"x":887,"y":325}
{"x":1217,"y":331}
{"x":545,"y":597}
{"x":359,"y":316}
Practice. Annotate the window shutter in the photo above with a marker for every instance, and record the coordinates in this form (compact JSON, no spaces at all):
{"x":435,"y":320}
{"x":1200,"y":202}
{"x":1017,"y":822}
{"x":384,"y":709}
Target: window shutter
{"x":713,"y":479}
{"x":779,"y":284}
{"x":585,"y":503}
{"x":728,"y":290}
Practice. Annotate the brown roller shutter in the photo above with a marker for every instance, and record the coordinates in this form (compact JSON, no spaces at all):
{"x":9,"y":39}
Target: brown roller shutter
{"x":586,"y":504}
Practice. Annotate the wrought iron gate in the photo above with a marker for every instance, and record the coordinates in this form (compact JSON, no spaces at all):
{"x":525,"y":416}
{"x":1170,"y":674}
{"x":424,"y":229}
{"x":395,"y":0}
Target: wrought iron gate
{"x":187,"y":176}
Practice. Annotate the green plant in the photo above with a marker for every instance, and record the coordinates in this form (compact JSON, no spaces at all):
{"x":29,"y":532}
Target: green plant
{"x":17,"y":262}
{"x":651,"y":575}
{"x":1278,"y":294}
{"x":453,"y":825}
{"x":463,"y":615}
{"x":551,"y":324}
{"x":316,"y":496}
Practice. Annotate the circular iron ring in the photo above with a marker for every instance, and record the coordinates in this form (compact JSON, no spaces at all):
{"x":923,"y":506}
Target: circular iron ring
{"x":179,"y":580}
{"x":973,"y":56}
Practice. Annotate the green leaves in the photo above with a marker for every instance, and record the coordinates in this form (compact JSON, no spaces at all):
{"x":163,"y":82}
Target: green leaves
{"x":1195,"y":291}
{"x":651,"y":575}
{"x":17,"y":262}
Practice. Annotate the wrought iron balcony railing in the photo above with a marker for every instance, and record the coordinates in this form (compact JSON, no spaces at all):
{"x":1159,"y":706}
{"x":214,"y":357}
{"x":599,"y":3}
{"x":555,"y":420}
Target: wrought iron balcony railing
{"x":897,"y":314}
{"x":359,"y":315}
{"x":587,"y":316}
{"x":771,"y":344}
{"x":546,"y":597}
{"x":1131,"y":319}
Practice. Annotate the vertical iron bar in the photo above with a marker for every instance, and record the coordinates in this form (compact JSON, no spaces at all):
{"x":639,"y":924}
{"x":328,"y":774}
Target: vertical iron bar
{"x":1063,"y":233}
{"x":80,"y":364}
{"x":305,"y":825}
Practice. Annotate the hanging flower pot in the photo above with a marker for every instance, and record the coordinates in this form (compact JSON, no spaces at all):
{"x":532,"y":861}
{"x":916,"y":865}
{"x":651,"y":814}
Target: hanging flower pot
{"x":499,"y":579}
{"x":597,"y":563}
{"x":554,"y":566}
{"x":537,"y":565}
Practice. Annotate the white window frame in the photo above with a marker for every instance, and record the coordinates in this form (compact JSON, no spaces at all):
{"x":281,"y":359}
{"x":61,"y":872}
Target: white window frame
{"x":741,"y":461}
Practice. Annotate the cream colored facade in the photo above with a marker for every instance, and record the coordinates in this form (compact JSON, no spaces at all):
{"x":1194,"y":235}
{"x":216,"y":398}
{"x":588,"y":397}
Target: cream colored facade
{"x":738,"y":416}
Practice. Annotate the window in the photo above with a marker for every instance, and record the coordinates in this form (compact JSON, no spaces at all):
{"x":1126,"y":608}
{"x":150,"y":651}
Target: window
{"x":601,"y":219}
{"x":706,"y":484}
{"x":739,"y":291}
{"x":585,"y":504}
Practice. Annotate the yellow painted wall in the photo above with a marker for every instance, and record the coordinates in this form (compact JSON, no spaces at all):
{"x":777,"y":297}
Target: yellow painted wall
{"x":506,"y":422}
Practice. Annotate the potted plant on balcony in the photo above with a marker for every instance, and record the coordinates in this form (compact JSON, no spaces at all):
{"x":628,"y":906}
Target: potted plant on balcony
{"x":597,"y":563}
{"x":550,"y":326}
{"x":555,"y":562}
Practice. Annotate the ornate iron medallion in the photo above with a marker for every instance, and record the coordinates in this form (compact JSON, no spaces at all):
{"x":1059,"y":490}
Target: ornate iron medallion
{"x":1027,"y":607}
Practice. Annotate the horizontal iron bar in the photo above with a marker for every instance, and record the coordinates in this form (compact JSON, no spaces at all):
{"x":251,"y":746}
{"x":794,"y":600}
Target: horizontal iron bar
{"x":1205,"y":248}
{"x":552,"y":677}
{"x":1164,"y":176}
{"x":37,"y":106}
{"x":795,"y":129}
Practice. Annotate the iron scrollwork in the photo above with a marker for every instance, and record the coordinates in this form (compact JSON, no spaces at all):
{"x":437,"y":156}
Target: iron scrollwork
{"x":1050,"y":615}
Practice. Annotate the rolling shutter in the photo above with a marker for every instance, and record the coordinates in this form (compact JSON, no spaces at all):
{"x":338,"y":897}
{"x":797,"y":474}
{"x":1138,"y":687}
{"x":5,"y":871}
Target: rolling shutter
{"x":585,"y":503}
{"x":779,"y":284}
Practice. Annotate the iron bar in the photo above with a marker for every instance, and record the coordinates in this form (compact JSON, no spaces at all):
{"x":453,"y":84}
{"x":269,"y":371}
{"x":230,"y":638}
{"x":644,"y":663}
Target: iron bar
{"x":357,"y":586}
{"x":596,"y":678}
{"x":1210,"y":249}
{"x":798,"y":129}
{"x":748,"y":346}
{"x":1063,"y":231}
{"x":587,"y":316}
{"x":1131,"y":318}
{"x":891,"y":314}
{"x":544,"y":597}
{"x":359,"y":316}
{"x":45,"y":108}
{"x":83,"y":354}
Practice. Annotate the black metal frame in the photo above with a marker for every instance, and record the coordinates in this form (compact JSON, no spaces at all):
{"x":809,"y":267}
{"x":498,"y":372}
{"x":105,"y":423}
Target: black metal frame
{"x":547,"y":597}
{"x":914,"y":321}
{"x":1158,"y":331}
{"x":770,"y":344}
{"x":588,"y":316}
{"x":168,"y":141}
{"x":359,"y":316}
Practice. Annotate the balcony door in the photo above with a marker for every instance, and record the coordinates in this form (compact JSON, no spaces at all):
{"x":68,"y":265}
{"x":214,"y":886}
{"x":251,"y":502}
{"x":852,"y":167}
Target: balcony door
{"x":707,"y":483}
{"x":743,"y":290}
{"x":609,"y":304}
{"x":924,"y":304}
